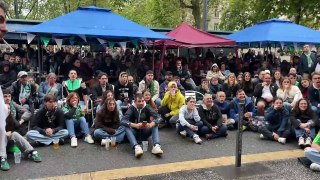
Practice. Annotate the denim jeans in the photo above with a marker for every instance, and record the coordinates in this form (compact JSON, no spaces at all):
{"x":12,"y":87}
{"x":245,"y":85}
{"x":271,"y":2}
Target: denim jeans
{"x":221,"y":132}
{"x":101,"y":134}
{"x":302,"y":133}
{"x":189,"y":131}
{"x":21,"y":142}
{"x":73,"y":125}
{"x":313,"y":155}
{"x":36,"y":136}
{"x":3,"y":152}
{"x":142,"y":135}
{"x":173,"y":120}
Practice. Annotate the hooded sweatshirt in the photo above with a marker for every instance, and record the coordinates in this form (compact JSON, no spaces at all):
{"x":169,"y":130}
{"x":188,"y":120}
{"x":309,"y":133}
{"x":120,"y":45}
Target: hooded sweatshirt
{"x":174,"y":102}
{"x":122,"y":91}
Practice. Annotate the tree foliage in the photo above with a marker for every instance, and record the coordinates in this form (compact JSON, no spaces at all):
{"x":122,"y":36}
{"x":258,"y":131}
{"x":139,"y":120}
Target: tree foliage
{"x":240,"y":14}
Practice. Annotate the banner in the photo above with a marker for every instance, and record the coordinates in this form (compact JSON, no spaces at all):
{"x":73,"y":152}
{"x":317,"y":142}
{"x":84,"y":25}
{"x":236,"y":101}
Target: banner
{"x":45,"y":41}
{"x":295,"y":45}
{"x":30,"y":37}
{"x":111,"y":44}
{"x":282,"y":45}
{"x":83,"y":37}
{"x":102,"y":41}
{"x":135,"y":43}
{"x":59,"y":43}
{"x":123,"y":44}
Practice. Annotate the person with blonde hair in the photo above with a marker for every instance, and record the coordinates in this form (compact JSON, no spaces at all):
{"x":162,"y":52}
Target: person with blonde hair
{"x":231,"y":86}
{"x":74,"y":117}
{"x":50,"y":86}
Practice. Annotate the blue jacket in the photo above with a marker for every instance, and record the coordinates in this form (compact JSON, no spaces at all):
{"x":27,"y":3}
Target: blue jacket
{"x":234,"y":107}
{"x":278,"y":120}
{"x":223,"y":107}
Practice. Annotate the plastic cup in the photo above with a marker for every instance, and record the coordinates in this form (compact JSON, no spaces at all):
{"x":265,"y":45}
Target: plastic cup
{"x":113,"y":141}
{"x":17,"y":157}
{"x":224,"y":117}
{"x":56,"y":144}
{"x":145,"y":145}
{"x":107,"y":146}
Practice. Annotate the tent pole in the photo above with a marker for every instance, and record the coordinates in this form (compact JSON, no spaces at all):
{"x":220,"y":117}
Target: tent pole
{"x":163,"y":54}
{"x":153,"y":42}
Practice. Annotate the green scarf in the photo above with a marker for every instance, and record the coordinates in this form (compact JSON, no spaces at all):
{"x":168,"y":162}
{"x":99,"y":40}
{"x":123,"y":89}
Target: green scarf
{"x":152,"y":88}
{"x":73,"y":85}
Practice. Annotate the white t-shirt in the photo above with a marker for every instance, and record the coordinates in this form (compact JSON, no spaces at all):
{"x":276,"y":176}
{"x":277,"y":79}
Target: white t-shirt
{"x":317,"y":68}
{"x":266,"y":93}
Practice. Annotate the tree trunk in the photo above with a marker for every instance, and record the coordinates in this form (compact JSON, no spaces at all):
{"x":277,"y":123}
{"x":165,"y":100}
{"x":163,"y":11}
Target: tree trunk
{"x":196,"y":12}
{"x":297,"y":18}
{"x":16,"y":11}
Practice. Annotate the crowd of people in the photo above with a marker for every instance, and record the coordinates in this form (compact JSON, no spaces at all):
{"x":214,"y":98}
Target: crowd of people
{"x":132,"y":102}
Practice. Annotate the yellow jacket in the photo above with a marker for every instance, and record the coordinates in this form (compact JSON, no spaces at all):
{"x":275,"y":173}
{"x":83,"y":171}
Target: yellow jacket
{"x":174,"y":103}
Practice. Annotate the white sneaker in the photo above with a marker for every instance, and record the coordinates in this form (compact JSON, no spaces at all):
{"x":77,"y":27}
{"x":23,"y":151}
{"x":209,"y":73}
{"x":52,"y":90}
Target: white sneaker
{"x":138,"y":151}
{"x":197,"y":139}
{"x":74,"y":142}
{"x":301,"y":141}
{"x":282,"y":140}
{"x":157,"y":150}
{"x":89,"y":139}
{"x":308,"y":142}
{"x":103,"y":142}
{"x":262,"y":136}
{"x":315,"y":167}
{"x":183,"y":133}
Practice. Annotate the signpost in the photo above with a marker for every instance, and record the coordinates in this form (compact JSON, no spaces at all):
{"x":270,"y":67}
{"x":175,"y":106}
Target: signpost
{"x":239,"y":136}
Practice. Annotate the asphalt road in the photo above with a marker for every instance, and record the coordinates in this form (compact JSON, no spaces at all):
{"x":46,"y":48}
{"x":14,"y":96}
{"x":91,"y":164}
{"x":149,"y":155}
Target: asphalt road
{"x":88,"y":158}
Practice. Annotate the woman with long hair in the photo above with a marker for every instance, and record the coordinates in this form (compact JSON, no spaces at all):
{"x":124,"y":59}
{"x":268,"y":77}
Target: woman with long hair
{"x":303,"y":119}
{"x":247,"y":85}
{"x":147,"y":98}
{"x":290,"y":94}
{"x":303,"y":86}
{"x":107,"y":123}
{"x":231,"y":86}
{"x":277,"y":78}
{"x":74,"y":118}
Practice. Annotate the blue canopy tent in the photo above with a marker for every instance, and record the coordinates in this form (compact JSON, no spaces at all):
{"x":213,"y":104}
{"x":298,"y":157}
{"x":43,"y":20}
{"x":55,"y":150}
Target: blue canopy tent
{"x":277,"y":32}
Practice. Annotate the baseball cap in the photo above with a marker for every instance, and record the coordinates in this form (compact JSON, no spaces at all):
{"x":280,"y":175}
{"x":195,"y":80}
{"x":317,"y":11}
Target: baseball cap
{"x":22,"y":73}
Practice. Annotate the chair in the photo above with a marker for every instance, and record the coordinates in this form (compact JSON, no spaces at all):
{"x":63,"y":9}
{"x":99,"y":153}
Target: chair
{"x":193,"y":94}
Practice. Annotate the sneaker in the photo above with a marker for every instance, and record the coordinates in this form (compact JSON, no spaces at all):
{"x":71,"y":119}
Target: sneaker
{"x":282,"y":140}
{"x":301,"y":142}
{"x":138,"y":151}
{"x":89,"y":139}
{"x":308,"y":142}
{"x":197,"y":139}
{"x":209,"y":136}
{"x":157,"y":150}
{"x":35,"y":156}
{"x":74,"y":142}
{"x":103,"y":142}
{"x":315,"y":167}
{"x":262,"y":136}
{"x":183,"y":133}
{"x":4,"y":164}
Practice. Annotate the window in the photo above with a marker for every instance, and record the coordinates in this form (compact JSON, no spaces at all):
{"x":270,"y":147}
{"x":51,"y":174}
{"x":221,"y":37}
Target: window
{"x":215,"y":26}
{"x":216,"y":14}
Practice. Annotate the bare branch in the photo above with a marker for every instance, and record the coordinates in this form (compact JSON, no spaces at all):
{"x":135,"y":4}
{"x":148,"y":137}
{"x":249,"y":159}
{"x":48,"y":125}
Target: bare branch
{"x":184,"y":5}
{"x":33,"y":5}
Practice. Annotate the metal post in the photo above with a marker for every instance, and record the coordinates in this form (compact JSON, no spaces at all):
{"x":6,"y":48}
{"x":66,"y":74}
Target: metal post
{"x":239,"y":136}
{"x":205,"y":15}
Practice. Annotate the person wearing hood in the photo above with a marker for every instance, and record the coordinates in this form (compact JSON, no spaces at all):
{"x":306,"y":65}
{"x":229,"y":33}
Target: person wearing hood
{"x":215,"y":72}
{"x":171,"y":103}
{"x":149,"y":83}
{"x":248,"y":111}
{"x":211,"y":117}
{"x":164,"y":85}
{"x":123,"y":91}
{"x":141,"y":122}
{"x":8,"y":76}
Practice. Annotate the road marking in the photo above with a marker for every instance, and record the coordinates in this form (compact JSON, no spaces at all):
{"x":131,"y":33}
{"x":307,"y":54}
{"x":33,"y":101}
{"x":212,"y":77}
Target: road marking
{"x":180,"y":166}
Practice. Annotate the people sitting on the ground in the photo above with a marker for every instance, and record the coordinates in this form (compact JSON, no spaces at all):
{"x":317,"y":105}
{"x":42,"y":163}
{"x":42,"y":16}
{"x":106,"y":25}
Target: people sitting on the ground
{"x":313,"y":153}
{"x":50,"y":86}
{"x":203,"y":89}
{"x":215,"y":86}
{"x":277,"y":127}
{"x":134,"y":84}
{"x":293,"y":72}
{"x":141,"y":122}
{"x":23,"y":92}
{"x":8,"y":76}
{"x":303,"y":86}
{"x":18,"y":113}
{"x":230,"y":87}
{"x":100,"y":88}
{"x":215,"y":72}
{"x":149,"y":83}
{"x":293,"y":79}
{"x":265,"y":92}
{"x":74,"y":117}
{"x":290,"y":93}
{"x":224,"y":71}
{"x":48,"y":123}
{"x":224,"y":107}
{"x":164,"y":84}
{"x":247,"y":84}
{"x":107,"y":123}
{"x":189,"y":122}
{"x":123,"y":91}
{"x":277,"y":78}
{"x":211,"y":117}
{"x":171,"y":103}
{"x":19,"y":141}
{"x":73,"y":84}
{"x":184,"y":75}
{"x":248,"y":111}
{"x":147,"y":98}
{"x":314,"y":92}
{"x":304,"y":120}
